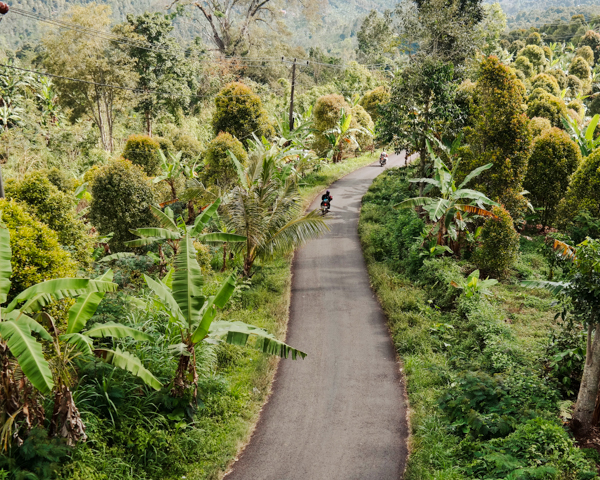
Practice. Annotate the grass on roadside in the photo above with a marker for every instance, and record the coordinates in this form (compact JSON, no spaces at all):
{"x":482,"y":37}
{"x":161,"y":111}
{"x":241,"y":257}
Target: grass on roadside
{"x":142,"y":443}
{"x":483,"y":403}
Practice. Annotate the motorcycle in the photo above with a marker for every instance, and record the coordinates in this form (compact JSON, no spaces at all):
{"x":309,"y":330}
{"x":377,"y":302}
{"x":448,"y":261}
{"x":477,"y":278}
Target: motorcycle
{"x":382,"y":160}
{"x":325,"y":206}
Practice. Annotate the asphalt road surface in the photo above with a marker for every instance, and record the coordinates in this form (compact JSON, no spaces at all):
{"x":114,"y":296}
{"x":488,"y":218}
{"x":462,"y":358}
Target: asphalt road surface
{"x":341,"y":412}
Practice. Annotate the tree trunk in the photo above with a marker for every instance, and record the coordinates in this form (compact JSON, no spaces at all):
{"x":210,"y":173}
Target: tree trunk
{"x":224,"y":258}
{"x":187,"y":364}
{"x":66,"y":420}
{"x":191,"y":212}
{"x":588,"y":391}
{"x":1,"y":183}
{"x":148,"y":123}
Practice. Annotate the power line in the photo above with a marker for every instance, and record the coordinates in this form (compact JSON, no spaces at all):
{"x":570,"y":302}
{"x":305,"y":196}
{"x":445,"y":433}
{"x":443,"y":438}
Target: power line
{"x":140,"y":91}
{"x":91,"y":32}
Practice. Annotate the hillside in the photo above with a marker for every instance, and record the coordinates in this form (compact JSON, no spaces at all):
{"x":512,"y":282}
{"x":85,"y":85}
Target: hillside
{"x":340,"y":21}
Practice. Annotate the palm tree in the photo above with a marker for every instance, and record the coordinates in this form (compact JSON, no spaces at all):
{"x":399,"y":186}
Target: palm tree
{"x":452,"y":200}
{"x":180,"y":296}
{"x":266,"y":207}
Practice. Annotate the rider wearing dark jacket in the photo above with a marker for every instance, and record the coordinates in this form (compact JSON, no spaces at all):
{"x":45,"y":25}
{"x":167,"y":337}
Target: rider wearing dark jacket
{"x":326,"y":198}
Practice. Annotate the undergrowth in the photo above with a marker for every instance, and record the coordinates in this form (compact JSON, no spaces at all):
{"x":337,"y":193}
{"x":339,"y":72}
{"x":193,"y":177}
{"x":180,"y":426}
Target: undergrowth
{"x":486,"y":377}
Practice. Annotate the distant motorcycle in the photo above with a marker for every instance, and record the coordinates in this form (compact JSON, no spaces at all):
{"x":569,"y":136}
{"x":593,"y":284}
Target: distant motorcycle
{"x":325,"y":206}
{"x":382,"y":159}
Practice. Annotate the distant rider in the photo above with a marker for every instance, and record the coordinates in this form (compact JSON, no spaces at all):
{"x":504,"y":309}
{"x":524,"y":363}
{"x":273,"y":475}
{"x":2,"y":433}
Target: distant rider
{"x":326,"y":198}
{"x":383,"y":157}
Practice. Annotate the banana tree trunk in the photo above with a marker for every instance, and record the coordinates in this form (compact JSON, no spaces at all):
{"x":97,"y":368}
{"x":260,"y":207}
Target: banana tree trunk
{"x":186,"y":369}
{"x":588,"y":390}
{"x":224,"y":258}
{"x":66,"y":420}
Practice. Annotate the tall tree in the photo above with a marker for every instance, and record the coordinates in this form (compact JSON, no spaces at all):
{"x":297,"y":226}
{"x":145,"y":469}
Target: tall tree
{"x":375,"y":37}
{"x":164,"y":73}
{"x":232,"y":23}
{"x":72,"y":53}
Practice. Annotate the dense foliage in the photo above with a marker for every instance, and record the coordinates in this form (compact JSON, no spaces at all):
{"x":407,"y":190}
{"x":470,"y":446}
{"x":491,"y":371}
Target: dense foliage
{"x":121,"y":199}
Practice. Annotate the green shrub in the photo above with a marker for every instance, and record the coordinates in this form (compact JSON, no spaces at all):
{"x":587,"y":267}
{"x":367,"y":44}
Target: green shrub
{"x":524,"y":65}
{"x":578,"y":107}
{"x":57,"y":210}
{"x":580,"y":68}
{"x":539,"y":125}
{"x":553,"y":160}
{"x":516,"y":46}
{"x":239,"y":112}
{"x":550,"y":107}
{"x":372,"y":99}
{"x":219,"y":169}
{"x":591,"y":39}
{"x":143,"y":151}
{"x":535,"y":54}
{"x":547,"y":83}
{"x":36,"y":253}
{"x":559,"y":76}
{"x":594,"y":107}
{"x":586,"y":53}
{"x":166,"y":145}
{"x":61,"y":179}
{"x":584,"y":191}
{"x":364,"y":120}
{"x":121,"y":199}
{"x":486,"y":407}
{"x":537,"y":449}
{"x":500,"y":134}
{"x":436,"y":275}
{"x":534,"y":38}
{"x":499,"y":247}
{"x":537,"y":94}
{"x":326,"y":115}
{"x":575,"y":85}
{"x":189,"y":146}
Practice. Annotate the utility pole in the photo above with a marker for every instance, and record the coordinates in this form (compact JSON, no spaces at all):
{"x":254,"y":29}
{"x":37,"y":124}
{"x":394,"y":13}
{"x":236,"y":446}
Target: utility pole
{"x":292,"y":95}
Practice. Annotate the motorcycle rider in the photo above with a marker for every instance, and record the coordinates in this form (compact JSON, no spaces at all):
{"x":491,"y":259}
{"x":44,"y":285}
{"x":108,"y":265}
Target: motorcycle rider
{"x":326,"y":198}
{"x":383,"y":157}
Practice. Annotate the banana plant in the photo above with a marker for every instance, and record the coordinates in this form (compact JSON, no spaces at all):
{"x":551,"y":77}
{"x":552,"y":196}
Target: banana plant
{"x":174,"y":230}
{"x":20,"y":321}
{"x":453,"y":201}
{"x":473,"y":285}
{"x":180,"y":295}
{"x":342,"y":134}
{"x":172,"y":168}
{"x":584,"y":138}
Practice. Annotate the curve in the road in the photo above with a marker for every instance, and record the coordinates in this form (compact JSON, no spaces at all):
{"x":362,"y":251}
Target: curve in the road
{"x":341,"y":412}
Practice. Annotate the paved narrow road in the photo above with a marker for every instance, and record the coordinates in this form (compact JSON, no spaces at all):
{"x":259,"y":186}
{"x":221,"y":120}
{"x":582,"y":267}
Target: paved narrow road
{"x":340,"y":413}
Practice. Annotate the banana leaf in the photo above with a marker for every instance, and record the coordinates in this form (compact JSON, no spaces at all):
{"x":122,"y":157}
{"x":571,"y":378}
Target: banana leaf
{"x":166,"y":297}
{"x":116,"y":256}
{"x":237,"y":333}
{"x":5,"y":257}
{"x":28,"y":352}
{"x":84,"y":344}
{"x":554,"y":287}
{"x":221,"y":237}
{"x":116,"y":330}
{"x":129,"y":362}
{"x":188,"y":282}
{"x":85,"y":306}
{"x":209,"y":311}
{"x":39,"y":295}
